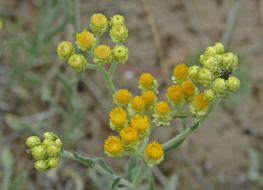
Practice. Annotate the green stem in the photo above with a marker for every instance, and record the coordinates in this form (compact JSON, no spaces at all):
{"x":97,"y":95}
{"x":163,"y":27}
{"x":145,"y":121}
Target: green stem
{"x":139,"y":174}
{"x":99,"y":169}
{"x":108,"y":80}
{"x":112,"y":68}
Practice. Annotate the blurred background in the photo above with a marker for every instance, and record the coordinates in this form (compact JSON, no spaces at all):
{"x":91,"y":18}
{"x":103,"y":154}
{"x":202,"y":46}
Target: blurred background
{"x":39,"y":92}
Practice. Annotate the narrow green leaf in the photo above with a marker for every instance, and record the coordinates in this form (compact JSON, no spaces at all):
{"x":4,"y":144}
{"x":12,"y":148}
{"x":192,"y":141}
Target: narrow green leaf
{"x":3,"y":48}
{"x":174,"y":146}
{"x":254,"y":157}
{"x":84,"y":160}
{"x":116,"y":183}
{"x":102,"y":163}
{"x":18,"y":181}
{"x":172,"y":182}
{"x":7,"y":165}
{"x":133,"y":162}
{"x":151,"y":181}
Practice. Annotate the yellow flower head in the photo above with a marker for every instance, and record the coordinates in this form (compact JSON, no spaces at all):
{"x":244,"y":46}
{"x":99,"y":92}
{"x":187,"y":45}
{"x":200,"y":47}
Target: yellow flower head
{"x":181,"y":71}
{"x":113,"y":145}
{"x":128,"y":135}
{"x":137,"y":103}
{"x":162,"y":108}
{"x":154,"y":150}
{"x":122,"y":96}
{"x":85,"y":39}
{"x":188,"y":88}
{"x":148,"y":97}
{"x":118,"y":116}
{"x":146,"y":79}
{"x":139,"y":122}
{"x":99,"y":20}
{"x":175,"y":92}
{"x":200,"y":101}
{"x":102,"y":52}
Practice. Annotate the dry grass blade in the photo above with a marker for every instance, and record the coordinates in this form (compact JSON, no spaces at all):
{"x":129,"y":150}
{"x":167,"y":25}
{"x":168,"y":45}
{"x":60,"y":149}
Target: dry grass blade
{"x":232,"y":16}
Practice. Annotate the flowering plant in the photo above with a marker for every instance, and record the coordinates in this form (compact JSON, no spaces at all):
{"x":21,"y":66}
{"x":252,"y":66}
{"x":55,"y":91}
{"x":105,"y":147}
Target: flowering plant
{"x":193,"y":93}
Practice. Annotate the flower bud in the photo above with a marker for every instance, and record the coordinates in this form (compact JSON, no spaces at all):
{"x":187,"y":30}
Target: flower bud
{"x":102,"y":55}
{"x":53,"y":151}
{"x":78,"y":62}
{"x":65,"y":49}
{"x":118,"y":33}
{"x":113,"y":147}
{"x":117,"y":20}
{"x":39,"y":152}
{"x":233,"y":84}
{"x":229,"y":61}
{"x":209,"y":95}
{"x":41,"y":165}
{"x":50,"y":136}
{"x":48,"y":142}
{"x":210,"y":50}
{"x":52,"y":162}
{"x":205,"y":77}
{"x":193,"y":73}
{"x":153,"y":154}
{"x":219,"y":48}
{"x":85,"y":40}
{"x":33,"y":141}
{"x":120,"y":53}
{"x":59,"y":143}
{"x":162,"y":114}
{"x":98,"y":24}
{"x":212,"y":63}
{"x":220,"y":86}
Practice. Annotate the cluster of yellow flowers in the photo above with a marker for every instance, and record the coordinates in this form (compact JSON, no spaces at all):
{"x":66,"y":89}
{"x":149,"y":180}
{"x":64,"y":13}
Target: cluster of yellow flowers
{"x":89,"y":42}
{"x":131,"y":117}
{"x":45,"y":153}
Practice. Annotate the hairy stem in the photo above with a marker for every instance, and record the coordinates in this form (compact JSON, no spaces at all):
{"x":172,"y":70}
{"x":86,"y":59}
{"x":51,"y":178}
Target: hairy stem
{"x":98,"y":168}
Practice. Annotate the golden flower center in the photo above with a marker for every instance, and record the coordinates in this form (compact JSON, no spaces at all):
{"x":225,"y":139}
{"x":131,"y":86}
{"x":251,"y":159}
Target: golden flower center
{"x":122,"y":96}
{"x":118,"y":116}
{"x":139,"y":122}
{"x":129,"y":134}
{"x":146,"y":79}
{"x":188,"y":88}
{"x":154,"y":150}
{"x":162,"y":108}
{"x":102,"y":52}
{"x":99,"y":20}
{"x":112,"y":145}
{"x":148,"y":97}
{"x":137,"y":103}
{"x":84,"y":38}
{"x":175,"y":92}
{"x":200,"y":101}
{"x":181,"y":71}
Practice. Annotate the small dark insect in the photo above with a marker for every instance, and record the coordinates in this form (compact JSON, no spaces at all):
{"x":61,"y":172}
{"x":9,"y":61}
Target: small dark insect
{"x":224,"y":74}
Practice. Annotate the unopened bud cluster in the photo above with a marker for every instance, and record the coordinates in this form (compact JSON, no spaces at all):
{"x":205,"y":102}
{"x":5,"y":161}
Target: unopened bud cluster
{"x":46,"y":152}
{"x":88,"y":41}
